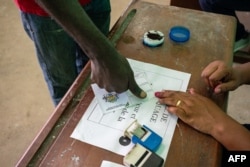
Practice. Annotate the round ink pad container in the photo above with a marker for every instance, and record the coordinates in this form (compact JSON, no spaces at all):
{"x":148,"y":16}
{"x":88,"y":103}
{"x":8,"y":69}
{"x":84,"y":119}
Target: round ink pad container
{"x":153,"y":38}
{"x":179,"y":34}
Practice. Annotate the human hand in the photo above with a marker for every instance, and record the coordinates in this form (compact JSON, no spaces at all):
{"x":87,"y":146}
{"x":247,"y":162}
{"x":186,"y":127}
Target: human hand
{"x":220,"y":77}
{"x":115,"y":75}
{"x":197,"y":111}
{"x":110,"y":70}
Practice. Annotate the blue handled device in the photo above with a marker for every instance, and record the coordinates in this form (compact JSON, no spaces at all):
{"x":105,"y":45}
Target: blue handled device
{"x":143,"y":135}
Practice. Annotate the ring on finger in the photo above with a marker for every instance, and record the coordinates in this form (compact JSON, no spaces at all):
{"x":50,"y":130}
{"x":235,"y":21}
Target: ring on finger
{"x":178,"y":103}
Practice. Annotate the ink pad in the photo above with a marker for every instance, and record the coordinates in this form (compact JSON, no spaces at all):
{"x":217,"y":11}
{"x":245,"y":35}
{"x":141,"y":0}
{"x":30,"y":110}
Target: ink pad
{"x":153,"y":38}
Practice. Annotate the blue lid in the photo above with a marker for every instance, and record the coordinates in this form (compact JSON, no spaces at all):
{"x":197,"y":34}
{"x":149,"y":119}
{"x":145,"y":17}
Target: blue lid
{"x":179,"y":34}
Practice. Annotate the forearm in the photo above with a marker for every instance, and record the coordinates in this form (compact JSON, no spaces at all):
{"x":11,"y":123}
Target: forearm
{"x":71,"y":16}
{"x":243,"y":70}
{"x":232,"y":135}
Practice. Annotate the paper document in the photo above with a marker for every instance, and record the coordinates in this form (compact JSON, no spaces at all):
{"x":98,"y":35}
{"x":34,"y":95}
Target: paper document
{"x":106,"y":129}
{"x":110,"y":164}
{"x":150,"y":78}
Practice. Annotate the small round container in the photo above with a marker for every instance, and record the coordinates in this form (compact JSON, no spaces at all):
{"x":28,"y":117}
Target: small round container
{"x":179,"y":34}
{"x":153,"y":38}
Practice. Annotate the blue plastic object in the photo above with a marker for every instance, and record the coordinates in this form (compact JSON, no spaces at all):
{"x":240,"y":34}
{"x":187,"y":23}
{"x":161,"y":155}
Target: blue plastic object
{"x":179,"y":34}
{"x":151,"y":140}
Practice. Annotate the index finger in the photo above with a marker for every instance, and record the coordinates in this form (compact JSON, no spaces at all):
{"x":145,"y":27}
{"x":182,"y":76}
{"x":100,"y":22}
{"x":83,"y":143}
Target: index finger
{"x":135,"y":89}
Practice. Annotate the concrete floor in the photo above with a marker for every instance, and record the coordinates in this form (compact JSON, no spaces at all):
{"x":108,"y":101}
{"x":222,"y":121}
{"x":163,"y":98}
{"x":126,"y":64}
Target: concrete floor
{"x":25,"y":104}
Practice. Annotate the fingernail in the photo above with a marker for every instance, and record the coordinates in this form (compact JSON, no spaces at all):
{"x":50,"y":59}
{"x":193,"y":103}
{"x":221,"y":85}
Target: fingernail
{"x":218,"y":90}
{"x":157,"y":94}
{"x":143,"y":94}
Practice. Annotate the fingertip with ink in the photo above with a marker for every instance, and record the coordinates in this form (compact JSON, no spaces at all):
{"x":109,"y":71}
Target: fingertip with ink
{"x":143,"y":94}
{"x":138,"y":92}
{"x":158,"y":94}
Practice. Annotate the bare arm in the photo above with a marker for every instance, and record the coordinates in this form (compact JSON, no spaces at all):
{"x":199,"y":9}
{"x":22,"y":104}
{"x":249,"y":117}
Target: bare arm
{"x":244,"y":72}
{"x":228,"y":132}
{"x":110,"y":70}
{"x":71,"y":16}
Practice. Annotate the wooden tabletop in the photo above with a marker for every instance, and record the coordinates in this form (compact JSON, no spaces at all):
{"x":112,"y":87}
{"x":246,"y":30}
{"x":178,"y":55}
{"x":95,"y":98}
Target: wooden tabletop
{"x":212,"y":38}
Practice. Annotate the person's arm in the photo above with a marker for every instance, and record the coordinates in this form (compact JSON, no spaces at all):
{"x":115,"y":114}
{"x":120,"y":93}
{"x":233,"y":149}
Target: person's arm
{"x":244,"y":72}
{"x":221,"y":77}
{"x":205,"y":116}
{"x":110,"y":70}
{"x":231,"y":134}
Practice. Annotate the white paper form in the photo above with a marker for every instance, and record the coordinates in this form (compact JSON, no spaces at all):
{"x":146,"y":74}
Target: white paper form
{"x":110,"y":164}
{"x":149,"y":77}
{"x":105,"y":130}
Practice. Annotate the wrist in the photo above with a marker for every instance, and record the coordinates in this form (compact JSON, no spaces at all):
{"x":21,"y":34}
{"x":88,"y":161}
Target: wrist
{"x":225,"y":131}
{"x":217,"y":131}
{"x":242,"y":73}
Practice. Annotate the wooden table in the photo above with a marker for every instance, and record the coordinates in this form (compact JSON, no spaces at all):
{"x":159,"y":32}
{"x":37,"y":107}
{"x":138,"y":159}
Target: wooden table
{"x":212,"y":38}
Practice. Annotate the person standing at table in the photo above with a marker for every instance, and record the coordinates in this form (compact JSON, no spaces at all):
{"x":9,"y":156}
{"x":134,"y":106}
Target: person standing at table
{"x":62,"y":57}
{"x":204,"y":115}
{"x":228,"y":7}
